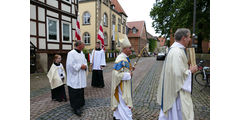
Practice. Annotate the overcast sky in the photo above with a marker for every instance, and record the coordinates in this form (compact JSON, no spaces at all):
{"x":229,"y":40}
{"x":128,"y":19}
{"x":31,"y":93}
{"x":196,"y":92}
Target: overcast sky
{"x":138,"y":10}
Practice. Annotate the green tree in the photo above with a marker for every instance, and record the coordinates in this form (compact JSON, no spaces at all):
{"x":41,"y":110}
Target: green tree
{"x":172,"y":14}
{"x":152,"y":44}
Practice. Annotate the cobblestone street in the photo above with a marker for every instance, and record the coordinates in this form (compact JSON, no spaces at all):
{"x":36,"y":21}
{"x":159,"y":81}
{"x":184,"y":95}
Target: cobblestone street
{"x":97,"y":107}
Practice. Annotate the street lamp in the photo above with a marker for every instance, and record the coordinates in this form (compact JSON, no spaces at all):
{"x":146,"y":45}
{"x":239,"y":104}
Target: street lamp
{"x":194,"y":22}
{"x":193,"y":38}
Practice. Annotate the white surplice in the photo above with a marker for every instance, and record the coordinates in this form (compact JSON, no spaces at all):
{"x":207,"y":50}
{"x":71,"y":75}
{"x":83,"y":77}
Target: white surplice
{"x":76,"y":77}
{"x":61,"y":71}
{"x":99,"y":59}
{"x":175,"y":112}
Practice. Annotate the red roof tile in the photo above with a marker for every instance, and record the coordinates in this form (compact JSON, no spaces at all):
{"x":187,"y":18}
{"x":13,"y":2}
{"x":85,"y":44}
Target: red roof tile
{"x":118,"y":7}
{"x":137,"y":24}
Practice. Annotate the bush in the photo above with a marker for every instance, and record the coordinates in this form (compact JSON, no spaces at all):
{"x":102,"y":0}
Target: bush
{"x":132,"y":56}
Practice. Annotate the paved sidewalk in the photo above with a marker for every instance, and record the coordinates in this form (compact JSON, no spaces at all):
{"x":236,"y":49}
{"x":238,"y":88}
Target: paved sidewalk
{"x":97,"y":107}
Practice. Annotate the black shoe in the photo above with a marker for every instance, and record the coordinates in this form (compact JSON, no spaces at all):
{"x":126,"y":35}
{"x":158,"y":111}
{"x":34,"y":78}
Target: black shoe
{"x":78,"y":112}
{"x":115,"y":118}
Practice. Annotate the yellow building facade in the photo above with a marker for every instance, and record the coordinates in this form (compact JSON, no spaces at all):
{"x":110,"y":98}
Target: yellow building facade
{"x":112,"y":16}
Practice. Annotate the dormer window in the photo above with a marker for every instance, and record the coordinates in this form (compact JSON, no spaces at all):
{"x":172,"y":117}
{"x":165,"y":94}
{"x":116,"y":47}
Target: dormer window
{"x":113,"y":6}
{"x":134,"y":30}
{"x":106,"y":2}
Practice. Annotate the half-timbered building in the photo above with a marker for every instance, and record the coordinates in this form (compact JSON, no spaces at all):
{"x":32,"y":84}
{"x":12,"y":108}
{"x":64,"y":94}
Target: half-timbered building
{"x":52,"y":29}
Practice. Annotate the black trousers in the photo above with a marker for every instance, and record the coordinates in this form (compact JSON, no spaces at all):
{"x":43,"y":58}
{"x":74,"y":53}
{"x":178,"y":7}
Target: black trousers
{"x":58,"y":93}
{"x":76,"y":97}
{"x":97,"y":78}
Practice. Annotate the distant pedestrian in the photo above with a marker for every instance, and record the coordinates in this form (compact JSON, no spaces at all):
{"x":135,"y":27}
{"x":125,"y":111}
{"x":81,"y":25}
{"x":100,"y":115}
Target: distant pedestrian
{"x":57,"y":79}
{"x":97,"y":61}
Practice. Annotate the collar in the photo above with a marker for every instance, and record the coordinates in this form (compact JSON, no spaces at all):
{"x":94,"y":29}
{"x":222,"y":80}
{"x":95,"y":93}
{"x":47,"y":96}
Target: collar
{"x":124,"y":54}
{"x":98,"y":49}
{"x":78,"y":50}
{"x":177,"y":44}
{"x":57,"y":64}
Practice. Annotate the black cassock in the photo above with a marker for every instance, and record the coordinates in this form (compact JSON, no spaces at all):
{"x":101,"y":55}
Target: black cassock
{"x":97,"y":73}
{"x":97,"y":78}
{"x":58,"y":93}
{"x":76,"y":97}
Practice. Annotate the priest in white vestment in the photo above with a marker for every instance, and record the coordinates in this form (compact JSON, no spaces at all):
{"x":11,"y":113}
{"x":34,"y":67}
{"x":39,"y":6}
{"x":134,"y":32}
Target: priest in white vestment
{"x":97,"y":62}
{"x":121,"y":96}
{"x":174,"y":90}
{"x":76,"y":76}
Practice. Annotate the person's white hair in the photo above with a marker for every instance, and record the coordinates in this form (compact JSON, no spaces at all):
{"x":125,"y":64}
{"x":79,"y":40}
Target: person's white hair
{"x":181,"y":32}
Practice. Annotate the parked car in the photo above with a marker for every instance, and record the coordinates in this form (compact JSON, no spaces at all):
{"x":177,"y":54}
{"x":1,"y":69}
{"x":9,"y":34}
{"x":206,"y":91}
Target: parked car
{"x":161,"y":56}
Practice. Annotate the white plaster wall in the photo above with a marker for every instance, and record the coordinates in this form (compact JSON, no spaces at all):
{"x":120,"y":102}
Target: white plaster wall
{"x":53,"y":46}
{"x":33,"y":12}
{"x":66,"y":47}
{"x":53,"y":3}
{"x":32,"y":28}
{"x":73,"y":34}
{"x":74,"y":23}
{"x":42,"y":43}
{"x":33,"y":40}
{"x":41,"y":14}
{"x":52,"y":13}
{"x":66,"y":18}
{"x":41,"y":29}
{"x":66,"y":8}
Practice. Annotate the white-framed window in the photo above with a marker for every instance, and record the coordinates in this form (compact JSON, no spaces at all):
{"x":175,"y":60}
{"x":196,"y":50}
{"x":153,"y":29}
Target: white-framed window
{"x":68,"y":1}
{"x":86,"y":38}
{"x":52,"y":30}
{"x":105,"y":38}
{"x":123,"y":27}
{"x":105,"y":19}
{"x":113,"y":19}
{"x":86,"y":18}
{"x":66,"y":32}
{"x":119,"y":25}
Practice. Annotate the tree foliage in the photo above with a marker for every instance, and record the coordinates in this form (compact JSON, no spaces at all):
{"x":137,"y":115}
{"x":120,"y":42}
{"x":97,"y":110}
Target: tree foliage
{"x":172,"y":14}
{"x":152,"y":44}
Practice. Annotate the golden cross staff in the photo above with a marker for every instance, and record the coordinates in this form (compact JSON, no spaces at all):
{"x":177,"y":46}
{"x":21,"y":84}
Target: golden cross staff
{"x":135,"y":63}
{"x":139,"y":56}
